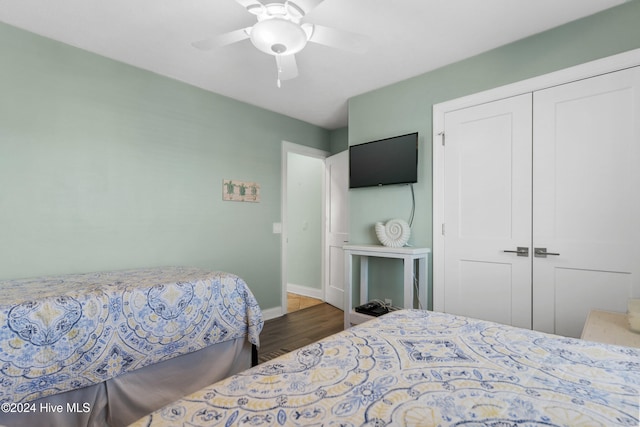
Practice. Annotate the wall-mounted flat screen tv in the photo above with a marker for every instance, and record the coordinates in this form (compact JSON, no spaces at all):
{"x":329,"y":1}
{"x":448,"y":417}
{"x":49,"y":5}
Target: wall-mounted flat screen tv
{"x":384,"y":162}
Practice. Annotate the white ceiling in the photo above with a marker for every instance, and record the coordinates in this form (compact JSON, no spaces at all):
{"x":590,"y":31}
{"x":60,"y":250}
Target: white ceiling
{"x":407,"y":38}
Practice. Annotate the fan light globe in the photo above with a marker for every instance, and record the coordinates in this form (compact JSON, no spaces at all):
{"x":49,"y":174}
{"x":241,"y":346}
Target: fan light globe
{"x":278,"y":36}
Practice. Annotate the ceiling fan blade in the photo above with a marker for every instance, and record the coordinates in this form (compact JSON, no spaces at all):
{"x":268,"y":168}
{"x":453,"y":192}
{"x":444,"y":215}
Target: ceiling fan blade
{"x":248,"y":3}
{"x":253,"y":6}
{"x":305,"y":5}
{"x":339,"y":39}
{"x":287,"y":67}
{"x":223,"y":39}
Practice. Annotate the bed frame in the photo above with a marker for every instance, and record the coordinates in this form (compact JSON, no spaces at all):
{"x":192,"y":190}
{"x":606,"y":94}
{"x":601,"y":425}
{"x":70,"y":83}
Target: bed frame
{"x":104,"y":349}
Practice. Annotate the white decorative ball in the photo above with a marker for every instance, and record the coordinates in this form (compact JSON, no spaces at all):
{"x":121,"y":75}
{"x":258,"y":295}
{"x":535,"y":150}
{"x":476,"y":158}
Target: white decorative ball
{"x":394,"y":234}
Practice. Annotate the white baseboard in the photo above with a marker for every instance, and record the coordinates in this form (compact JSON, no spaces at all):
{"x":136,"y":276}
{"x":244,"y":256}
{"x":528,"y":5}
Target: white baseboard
{"x":272,"y":313}
{"x":305,"y":291}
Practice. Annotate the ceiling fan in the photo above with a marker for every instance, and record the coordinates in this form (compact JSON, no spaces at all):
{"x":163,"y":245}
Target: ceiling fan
{"x":280,"y":32}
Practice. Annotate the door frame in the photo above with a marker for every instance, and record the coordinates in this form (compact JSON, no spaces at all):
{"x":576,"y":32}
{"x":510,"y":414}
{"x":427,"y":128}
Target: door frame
{"x":290,"y":147}
{"x":578,"y":72}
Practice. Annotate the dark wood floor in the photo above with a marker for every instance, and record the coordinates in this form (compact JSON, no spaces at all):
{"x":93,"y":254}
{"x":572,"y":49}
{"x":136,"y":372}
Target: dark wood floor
{"x":294,"y":330}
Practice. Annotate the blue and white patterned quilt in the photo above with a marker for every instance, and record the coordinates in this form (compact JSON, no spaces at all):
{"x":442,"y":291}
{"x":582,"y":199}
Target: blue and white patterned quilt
{"x":419,"y":368}
{"x":67,"y":332}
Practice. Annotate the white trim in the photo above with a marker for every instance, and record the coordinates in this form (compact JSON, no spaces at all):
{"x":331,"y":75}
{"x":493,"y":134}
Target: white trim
{"x":590,"y":69}
{"x":437,"y":212}
{"x":272,"y":313}
{"x":290,"y":147}
{"x":305,"y":291}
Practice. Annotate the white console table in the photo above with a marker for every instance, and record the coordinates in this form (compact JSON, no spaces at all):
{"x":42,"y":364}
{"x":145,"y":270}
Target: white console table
{"x":409,"y":256}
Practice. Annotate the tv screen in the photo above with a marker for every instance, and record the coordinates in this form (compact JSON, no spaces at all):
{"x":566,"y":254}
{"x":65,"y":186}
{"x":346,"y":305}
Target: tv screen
{"x":384,"y":162}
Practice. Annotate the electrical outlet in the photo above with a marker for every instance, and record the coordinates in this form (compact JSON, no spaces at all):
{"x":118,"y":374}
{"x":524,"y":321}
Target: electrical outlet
{"x":388,"y":301}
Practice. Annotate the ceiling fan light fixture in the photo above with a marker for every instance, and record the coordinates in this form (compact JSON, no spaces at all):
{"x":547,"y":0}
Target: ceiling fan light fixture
{"x":277,"y":36}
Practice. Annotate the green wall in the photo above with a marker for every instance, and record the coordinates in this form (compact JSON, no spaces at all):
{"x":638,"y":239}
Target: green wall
{"x":407,"y":107}
{"x":338,"y":140}
{"x":304,"y":220}
{"x":106,"y":166}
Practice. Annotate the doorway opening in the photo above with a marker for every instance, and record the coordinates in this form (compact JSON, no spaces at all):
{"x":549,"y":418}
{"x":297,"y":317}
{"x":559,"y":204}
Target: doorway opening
{"x":297,"y":302}
{"x":314,"y":224}
{"x":303,"y":195}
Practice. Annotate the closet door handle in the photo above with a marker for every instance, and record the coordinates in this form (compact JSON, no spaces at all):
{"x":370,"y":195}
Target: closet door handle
{"x":542,"y":253}
{"x":521,"y":251}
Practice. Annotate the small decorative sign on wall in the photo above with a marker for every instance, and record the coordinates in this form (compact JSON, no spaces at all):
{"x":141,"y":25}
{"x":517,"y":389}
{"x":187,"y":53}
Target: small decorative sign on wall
{"x":240,"y":191}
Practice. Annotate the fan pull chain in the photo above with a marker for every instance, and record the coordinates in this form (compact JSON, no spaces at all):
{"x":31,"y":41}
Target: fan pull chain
{"x":279,"y":66}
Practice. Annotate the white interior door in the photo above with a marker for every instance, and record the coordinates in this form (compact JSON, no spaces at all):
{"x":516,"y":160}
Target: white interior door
{"x":586,"y":198}
{"x":337,"y":217}
{"x":487,"y":182}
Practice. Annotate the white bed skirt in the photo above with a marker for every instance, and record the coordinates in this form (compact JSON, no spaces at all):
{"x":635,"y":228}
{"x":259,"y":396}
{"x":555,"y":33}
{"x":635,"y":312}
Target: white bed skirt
{"x":122,"y":400}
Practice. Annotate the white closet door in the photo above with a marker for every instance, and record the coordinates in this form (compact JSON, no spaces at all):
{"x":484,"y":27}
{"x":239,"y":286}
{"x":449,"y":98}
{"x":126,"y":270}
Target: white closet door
{"x":487,"y":175}
{"x":586,"y":198}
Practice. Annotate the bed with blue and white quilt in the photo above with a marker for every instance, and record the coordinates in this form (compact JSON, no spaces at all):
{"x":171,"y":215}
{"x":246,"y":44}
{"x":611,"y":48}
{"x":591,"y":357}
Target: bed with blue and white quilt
{"x":106,"y":348}
{"x":420,"y":368}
